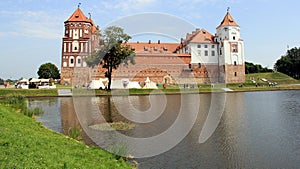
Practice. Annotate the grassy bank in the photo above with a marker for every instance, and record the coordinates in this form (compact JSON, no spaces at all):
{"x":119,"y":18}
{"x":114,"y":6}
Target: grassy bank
{"x":279,"y":78}
{"x":283,"y":81}
{"x":29,"y":92}
{"x":25,"y":143}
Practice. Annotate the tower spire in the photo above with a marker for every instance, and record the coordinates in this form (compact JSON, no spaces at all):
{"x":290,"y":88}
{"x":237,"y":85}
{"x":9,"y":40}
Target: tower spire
{"x":228,"y":9}
{"x":79,"y":4}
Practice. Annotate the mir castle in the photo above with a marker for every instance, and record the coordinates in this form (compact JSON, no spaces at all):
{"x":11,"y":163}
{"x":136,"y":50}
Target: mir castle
{"x":201,"y":56}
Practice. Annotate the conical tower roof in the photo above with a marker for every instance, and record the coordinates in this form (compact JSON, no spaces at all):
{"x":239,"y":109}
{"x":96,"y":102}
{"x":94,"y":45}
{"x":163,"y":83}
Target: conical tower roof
{"x":78,"y":16}
{"x":228,"y":21}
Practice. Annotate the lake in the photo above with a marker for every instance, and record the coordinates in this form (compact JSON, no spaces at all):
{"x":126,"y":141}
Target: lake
{"x":225,"y":130}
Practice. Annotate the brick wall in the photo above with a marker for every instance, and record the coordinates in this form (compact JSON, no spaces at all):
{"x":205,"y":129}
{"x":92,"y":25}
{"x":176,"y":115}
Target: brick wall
{"x":235,"y":73}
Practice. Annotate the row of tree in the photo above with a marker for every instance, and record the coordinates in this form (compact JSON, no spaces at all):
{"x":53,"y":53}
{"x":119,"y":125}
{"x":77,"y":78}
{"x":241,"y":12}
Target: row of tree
{"x":290,"y":63}
{"x":10,"y":81}
{"x":255,"y":68}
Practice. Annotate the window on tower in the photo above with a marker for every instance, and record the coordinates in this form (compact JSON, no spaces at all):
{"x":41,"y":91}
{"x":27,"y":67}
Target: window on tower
{"x":234,"y":48}
{"x":72,"y":61}
{"x":233,"y":37}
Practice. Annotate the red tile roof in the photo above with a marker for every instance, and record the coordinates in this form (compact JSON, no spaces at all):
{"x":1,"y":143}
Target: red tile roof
{"x":202,"y":36}
{"x":228,"y":21}
{"x":199,"y":36}
{"x":142,"y":47}
{"x":78,"y":16}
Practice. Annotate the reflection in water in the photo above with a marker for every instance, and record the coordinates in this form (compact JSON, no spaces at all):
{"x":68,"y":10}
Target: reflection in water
{"x":257,"y":129}
{"x":146,"y":139}
{"x":51,"y":117}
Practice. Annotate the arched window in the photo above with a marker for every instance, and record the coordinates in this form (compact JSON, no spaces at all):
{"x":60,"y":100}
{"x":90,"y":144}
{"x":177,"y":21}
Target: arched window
{"x":71,"y":61}
{"x":75,"y":45}
{"x":199,"y":65}
{"x":78,"y":62}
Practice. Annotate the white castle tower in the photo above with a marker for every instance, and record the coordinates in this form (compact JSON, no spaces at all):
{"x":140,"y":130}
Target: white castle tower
{"x":231,"y":50}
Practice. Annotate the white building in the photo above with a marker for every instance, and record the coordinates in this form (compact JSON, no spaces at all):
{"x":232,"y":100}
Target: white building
{"x":222,"y":53}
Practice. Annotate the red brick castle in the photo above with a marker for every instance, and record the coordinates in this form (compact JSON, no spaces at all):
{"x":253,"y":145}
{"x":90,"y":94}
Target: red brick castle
{"x":201,"y":56}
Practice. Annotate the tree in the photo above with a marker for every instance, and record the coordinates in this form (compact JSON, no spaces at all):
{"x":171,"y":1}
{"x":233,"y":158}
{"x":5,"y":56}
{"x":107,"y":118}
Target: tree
{"x":290,"y":63}
{"x":113,"y":51}
{"x":255,"y":68}
{"x":48,"y":70}
{"x":1,"y":81}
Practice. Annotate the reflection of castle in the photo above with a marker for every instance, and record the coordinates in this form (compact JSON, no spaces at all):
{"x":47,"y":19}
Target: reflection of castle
{"x":207,"y":57}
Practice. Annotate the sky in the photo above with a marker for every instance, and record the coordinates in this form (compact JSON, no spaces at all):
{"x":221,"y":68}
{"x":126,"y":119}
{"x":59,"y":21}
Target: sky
{"x":31,"y":31}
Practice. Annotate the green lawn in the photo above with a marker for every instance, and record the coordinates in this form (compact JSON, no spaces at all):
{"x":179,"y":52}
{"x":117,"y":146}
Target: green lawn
{"x":25,"y":143}
{"x":280,"y":78}
{"x":283,"y":81}
{"x":29,"y":92}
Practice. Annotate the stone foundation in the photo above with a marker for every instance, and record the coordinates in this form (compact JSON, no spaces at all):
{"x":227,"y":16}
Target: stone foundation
{"x":157,"y":68}
{"x":235,"y":73}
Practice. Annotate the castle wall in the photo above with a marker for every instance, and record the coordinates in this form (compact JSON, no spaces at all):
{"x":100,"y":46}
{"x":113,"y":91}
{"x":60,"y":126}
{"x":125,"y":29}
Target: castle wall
{"x":235,"y":74}
{"x":202,"y":57}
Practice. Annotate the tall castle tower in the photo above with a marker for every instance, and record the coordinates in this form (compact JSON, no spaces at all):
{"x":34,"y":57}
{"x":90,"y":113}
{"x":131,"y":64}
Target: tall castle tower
{"x":231,"y":50}
{"x":80,"y":39}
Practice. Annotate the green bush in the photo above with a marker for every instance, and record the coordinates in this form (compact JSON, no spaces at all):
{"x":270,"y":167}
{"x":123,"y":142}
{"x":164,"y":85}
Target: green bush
{"x":75,"y":133}
{"x":15,"y":99}
{"x":20,"y":103}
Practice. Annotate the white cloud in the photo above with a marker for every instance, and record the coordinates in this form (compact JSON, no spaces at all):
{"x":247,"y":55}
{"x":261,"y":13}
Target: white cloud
{"x":37,"y":24}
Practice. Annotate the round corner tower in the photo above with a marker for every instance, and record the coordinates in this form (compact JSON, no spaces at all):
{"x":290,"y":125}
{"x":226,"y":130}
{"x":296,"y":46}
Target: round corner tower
{"x":231,"y":50}
{"x":79,"y":40}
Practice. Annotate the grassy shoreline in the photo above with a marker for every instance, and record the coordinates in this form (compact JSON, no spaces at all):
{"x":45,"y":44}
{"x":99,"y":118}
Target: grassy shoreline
{"x":83,"y":92}
{"x":283,"y":81}
{"x":25,"y":143}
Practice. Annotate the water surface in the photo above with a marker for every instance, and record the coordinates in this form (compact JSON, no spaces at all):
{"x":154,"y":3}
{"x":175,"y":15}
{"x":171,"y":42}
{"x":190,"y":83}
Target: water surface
{"x":256,"y":130}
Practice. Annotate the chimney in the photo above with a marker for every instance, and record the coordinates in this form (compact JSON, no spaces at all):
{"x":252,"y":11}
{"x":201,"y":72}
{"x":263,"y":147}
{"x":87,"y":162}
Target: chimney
{"x":149,"y":41}
{"x":158,"y":41}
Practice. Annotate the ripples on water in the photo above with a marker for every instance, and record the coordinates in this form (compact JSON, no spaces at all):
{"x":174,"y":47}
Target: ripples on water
{"x":257,"y":130}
